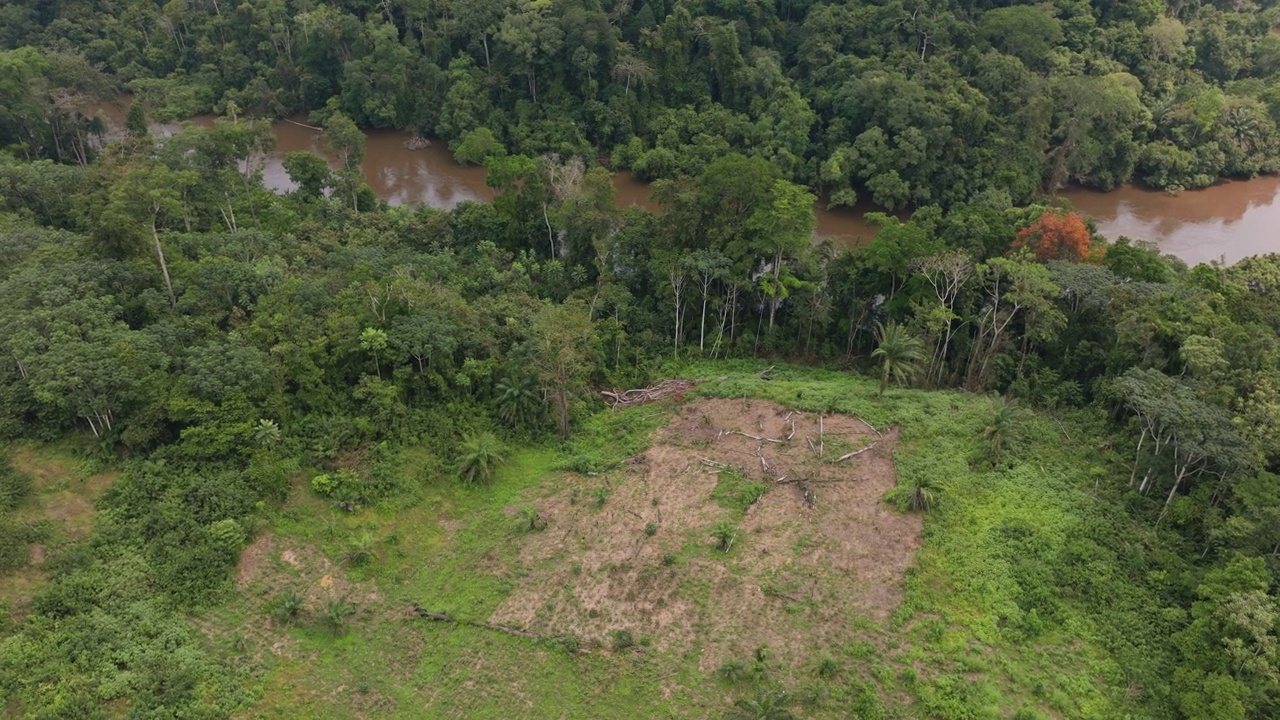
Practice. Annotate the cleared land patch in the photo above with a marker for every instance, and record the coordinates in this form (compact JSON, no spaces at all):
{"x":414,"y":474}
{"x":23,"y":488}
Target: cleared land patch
{"x":695,"y":544}
{"x":60,"y":507}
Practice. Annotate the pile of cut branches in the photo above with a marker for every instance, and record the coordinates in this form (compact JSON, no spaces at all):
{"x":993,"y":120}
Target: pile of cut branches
{"x":640,"y":396}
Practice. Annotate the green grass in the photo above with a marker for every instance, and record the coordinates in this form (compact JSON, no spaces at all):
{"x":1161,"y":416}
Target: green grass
{"x":986,"y":629}
{"x":58,"y":511}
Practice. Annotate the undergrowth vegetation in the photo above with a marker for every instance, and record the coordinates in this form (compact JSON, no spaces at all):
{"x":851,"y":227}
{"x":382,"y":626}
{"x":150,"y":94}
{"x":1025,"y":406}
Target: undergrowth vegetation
{"x":1026,"y":599}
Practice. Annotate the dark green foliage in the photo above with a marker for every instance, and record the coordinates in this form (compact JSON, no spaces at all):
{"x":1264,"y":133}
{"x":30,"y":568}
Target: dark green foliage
{"x":286,"y":607}
{"x":16,"y":537}
{"x":164,"y":312}
{"x":135,"y":121}
{"x":732,"y":671}
{"x":828,"y":668}
{"x":480,"y":455}
{"x":15,"y":486}
{"x":622,"y":639}
{"x":516,"y":400}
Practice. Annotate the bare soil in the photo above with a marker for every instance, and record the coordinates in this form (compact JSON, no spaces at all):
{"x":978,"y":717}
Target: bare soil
{"x":819,"y":549}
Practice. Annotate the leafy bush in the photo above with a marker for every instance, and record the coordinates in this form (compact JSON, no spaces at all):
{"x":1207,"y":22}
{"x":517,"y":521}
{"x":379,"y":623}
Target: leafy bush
{"x":724,"y":533}
{"x":828,"y":667}
{"x":16,"y":537}
{"x":15,"y":486}
{"x":732,"y":670}
{"x":531,"y":520}
{"x":622,"y":639}
{"x":344,"y":486}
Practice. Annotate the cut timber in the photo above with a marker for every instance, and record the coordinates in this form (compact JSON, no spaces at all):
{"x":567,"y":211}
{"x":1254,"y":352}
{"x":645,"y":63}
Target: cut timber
{"x":855,"y":453}
{"x":869,"y":425}
{"x":755,"y":437}
{"x":640,"y":396}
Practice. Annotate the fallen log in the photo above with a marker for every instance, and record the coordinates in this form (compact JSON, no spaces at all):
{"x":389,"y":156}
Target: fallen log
{"x":855,"y":453}
{"x":431,"y":614}
{"x":756,"y":437}
{"x":309,"y":127}
{"x":869,"y":425}
{"x":441,"y":616}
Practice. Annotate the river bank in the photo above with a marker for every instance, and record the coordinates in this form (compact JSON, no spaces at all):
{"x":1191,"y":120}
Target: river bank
{"x":1223,"y":223}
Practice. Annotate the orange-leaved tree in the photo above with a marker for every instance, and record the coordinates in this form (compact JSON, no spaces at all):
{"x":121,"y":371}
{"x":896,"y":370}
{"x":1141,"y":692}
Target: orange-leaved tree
{"x":1056,"y":236}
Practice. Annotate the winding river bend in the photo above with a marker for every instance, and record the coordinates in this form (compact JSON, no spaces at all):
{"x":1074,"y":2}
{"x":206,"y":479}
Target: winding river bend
{"x":1224,"y":223}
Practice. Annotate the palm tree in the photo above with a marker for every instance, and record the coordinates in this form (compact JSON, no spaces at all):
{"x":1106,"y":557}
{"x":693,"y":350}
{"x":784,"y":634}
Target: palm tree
{"x":516,"y":397}
{"x":266,"y":433}
{"x":898,"y":352}
{"x":764,"y":706}
{"x":1000,"y":425}
{"x":482,"y":454}
{"x":923,"y":495}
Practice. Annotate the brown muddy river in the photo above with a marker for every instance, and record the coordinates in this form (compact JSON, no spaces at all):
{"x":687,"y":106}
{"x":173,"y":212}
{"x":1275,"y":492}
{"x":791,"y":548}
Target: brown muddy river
{"x":1227,"y":222}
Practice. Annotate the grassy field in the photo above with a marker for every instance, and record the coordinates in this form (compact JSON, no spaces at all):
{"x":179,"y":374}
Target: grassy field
{"x":606,"y":548}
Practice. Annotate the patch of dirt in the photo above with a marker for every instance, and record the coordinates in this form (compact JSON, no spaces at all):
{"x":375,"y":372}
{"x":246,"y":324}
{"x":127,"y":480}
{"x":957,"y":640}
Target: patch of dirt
{"x":817,"y":550}
{"x":272,"y":564}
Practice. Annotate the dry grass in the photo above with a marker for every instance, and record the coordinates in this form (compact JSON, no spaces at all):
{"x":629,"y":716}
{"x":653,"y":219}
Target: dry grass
{"x":810,"y":555}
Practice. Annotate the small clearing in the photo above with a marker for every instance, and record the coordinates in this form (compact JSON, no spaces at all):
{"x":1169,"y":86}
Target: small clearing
{"x":813,"y":546}
{"x":62,"y":498}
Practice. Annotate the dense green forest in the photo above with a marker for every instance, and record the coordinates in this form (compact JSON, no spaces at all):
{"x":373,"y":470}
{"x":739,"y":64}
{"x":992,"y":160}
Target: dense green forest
{"x":1091,"y":430}
{"x":903,"y":102}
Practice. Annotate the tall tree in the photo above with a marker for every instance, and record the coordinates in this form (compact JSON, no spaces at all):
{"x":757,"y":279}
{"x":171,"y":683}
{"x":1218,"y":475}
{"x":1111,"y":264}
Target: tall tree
{"x":564,"y":344}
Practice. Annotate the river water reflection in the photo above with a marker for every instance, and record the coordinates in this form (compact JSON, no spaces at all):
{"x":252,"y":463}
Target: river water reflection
{"x":1226,"y":222}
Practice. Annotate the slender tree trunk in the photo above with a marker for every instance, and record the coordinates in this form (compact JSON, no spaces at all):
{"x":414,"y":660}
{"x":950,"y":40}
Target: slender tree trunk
{"x":562,"y":404}
{"x":1177,"y":481}
{"x":777,"y":289}
{"x":1136,"y":455}
{"x":164,"y":266}
{"x":702,"y":329}
{"x":551,"y":238}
